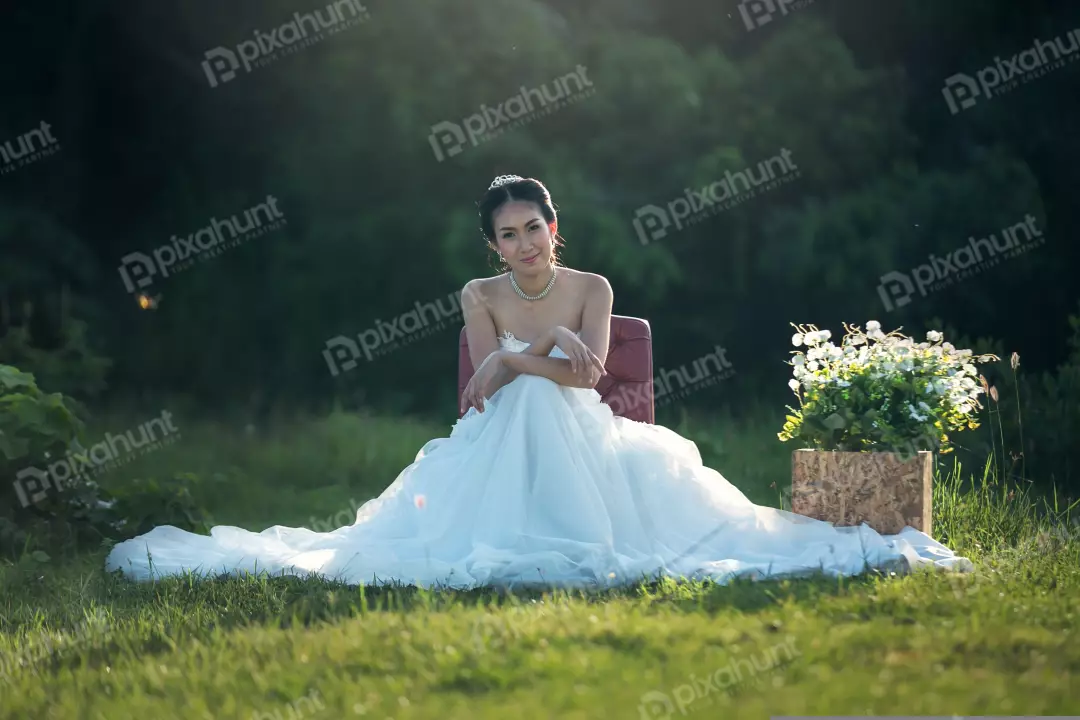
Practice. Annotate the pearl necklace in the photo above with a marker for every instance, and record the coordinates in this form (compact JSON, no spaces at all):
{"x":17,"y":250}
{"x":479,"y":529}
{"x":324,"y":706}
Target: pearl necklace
{"x":544,"y":292}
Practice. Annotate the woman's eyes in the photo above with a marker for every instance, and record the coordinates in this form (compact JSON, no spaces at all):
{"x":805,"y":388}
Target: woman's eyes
{"x":532,"y":228}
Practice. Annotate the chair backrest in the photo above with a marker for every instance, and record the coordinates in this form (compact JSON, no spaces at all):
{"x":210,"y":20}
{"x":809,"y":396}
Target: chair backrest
{"x":628,"y":385}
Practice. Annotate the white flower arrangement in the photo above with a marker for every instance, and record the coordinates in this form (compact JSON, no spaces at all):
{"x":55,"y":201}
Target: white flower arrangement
{"x":880,"y":391}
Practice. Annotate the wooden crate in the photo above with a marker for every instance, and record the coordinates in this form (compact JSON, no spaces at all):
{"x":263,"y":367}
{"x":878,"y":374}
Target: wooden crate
{"x":884,"y":490}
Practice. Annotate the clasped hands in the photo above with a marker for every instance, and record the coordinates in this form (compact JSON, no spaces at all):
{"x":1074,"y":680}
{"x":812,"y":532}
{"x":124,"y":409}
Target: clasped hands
{"x":583,"y":363}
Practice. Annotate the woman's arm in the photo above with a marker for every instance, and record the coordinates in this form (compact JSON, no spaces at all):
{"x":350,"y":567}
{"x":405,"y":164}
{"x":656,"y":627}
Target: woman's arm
{"x":557,"y":370}
{"x":540,"y":349}
{"x":595,"y":333}
{"x":482,"y":336}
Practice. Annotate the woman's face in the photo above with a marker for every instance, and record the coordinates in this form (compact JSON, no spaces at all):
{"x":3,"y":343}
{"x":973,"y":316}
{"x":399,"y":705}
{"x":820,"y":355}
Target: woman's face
{"x":523,"y":237}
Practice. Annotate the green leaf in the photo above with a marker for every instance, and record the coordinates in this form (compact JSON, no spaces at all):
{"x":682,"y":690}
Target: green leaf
{"x":835,"y":422}
{"x":40,"y":556}
{"x":12,"y":448}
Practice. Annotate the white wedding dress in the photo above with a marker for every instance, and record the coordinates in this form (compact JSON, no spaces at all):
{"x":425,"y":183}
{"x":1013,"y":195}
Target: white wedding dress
{"x":545,"y":487}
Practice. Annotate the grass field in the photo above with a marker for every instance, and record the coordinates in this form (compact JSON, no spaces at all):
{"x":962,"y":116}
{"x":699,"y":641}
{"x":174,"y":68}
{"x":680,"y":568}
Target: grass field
{"x":76,"y":643}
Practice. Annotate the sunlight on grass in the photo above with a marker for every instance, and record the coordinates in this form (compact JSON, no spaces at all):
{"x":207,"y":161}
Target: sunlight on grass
{"x":75,"y":642}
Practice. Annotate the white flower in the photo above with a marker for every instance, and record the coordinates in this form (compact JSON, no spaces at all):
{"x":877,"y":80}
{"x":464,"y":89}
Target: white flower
{"x":933,"y":336}
{"x":799,"y":360}
{"x":812,"y":366}
{"x":873,"y":326}
{"x":793,"y":384}
{"x":797,"y":339}
{"x":843,"y":383}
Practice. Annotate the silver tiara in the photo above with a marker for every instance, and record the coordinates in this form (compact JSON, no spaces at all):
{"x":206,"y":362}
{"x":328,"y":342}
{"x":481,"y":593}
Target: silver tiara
{"x":505,"y":180}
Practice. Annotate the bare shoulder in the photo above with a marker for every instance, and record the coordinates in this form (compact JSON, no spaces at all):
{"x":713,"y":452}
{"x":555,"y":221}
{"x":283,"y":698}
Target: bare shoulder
{"x":593,"y":285}
{"x":479,"y":292}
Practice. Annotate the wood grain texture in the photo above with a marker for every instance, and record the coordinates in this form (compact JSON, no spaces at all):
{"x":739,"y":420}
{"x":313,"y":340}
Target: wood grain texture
{"x":884,"y":490}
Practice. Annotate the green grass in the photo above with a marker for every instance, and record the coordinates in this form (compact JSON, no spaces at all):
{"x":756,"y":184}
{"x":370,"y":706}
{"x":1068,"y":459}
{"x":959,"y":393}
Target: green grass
{"x":998,"y":641}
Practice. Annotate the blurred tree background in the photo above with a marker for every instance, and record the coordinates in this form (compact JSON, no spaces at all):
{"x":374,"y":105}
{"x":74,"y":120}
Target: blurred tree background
{"x":378,"y":219}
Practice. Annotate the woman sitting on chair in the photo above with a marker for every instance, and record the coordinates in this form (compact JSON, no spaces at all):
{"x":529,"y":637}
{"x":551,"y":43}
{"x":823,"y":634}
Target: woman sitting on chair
{"x":539,"y":483}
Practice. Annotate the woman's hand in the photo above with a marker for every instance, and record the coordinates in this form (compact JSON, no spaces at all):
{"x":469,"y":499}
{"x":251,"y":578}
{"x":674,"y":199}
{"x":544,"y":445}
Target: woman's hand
{"x":583,"y":360}
{"x":476,"y":390}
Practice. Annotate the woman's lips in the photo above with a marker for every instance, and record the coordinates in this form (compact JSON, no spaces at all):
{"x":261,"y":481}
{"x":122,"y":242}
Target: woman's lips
{"x":531,"y":259}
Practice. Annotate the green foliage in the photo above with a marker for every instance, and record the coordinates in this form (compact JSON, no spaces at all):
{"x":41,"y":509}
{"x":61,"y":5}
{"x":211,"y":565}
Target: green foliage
{"x":1030,"y":428}
{"x":35,"y":428}
{"x":880,"y":391}
{"x":143,"y":504}
{"x":1055,"y":417}
{"x":50,"y":501}
{"x":73,"y":367}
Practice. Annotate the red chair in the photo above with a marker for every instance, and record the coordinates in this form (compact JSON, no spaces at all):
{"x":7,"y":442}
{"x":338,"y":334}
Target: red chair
{"x":628,"y":385}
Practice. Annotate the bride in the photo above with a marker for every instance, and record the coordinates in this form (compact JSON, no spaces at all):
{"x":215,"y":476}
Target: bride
{"x":539,"y":483}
